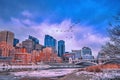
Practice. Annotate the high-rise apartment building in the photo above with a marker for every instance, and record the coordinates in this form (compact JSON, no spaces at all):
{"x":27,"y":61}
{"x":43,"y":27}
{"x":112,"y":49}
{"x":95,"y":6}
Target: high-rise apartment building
{"x":36,"y":45}
{"x":61,"y":48}
{"x":35,"y":40}
{"x":49,"y":41}
{"x":7,"y":36}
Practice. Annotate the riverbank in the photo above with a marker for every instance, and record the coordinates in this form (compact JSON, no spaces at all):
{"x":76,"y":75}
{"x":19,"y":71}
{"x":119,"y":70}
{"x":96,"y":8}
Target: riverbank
{"x":98,"y":72}
{"x":49,"y":74}
{"x":84,"y":75}
{"x":111,"y":74}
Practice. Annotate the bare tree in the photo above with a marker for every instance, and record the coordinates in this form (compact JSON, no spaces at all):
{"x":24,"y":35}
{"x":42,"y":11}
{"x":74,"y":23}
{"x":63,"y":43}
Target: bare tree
{"x":112,"y":47}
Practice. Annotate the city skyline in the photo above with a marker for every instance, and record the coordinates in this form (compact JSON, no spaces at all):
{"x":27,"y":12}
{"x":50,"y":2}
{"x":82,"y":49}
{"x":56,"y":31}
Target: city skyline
{"x":79,"y":23}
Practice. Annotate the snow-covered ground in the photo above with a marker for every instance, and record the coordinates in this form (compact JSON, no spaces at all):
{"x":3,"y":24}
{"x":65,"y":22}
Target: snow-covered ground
{"x":80,"y":75}
{"x":44,"y":73}
{"x":105,"y":75}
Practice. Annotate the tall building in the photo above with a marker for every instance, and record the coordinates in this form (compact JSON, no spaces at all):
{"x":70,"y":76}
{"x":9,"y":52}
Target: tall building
{"x":49,"y":41}
{"x":7,"y":36}
{"x":15,"y":42}
{"x":35,"y":40}
{"x":36,"y":45}
{"x":28,"y":44}
{"x":61,"y":48}
{"x":39,"y":47}
{"x":86,"y":53}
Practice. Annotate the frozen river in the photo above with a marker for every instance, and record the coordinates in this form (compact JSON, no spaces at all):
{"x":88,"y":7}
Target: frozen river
{"x":55,"y":73}
{"x":41,"y":73}
{"x":44,"y":73}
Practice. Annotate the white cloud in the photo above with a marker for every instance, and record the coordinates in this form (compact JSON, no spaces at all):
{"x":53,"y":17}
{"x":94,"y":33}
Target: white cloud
{"x":76,"y":37}
{"x":27,"y":14}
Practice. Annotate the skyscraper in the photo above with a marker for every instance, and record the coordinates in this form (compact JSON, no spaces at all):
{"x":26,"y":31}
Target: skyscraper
{"x":16,"y":41}
{"x":49,"y":41}
{"x":61,"y":48}
{"x":29,"y":45}
{"x":35,"y":40}
{"x":7,"y":36}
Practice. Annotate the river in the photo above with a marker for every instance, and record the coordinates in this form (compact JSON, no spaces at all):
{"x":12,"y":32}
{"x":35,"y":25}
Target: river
{"x":55,"y":74}
{"x":49,"y":73}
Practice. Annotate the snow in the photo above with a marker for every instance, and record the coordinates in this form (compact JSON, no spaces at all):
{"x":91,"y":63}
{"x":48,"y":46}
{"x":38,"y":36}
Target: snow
{"x":44,"y":73}
{"x":108,"y":74}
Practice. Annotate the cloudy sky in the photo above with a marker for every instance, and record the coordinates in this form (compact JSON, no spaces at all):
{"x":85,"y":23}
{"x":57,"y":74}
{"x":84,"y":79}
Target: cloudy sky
{"x":78,"y":22}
